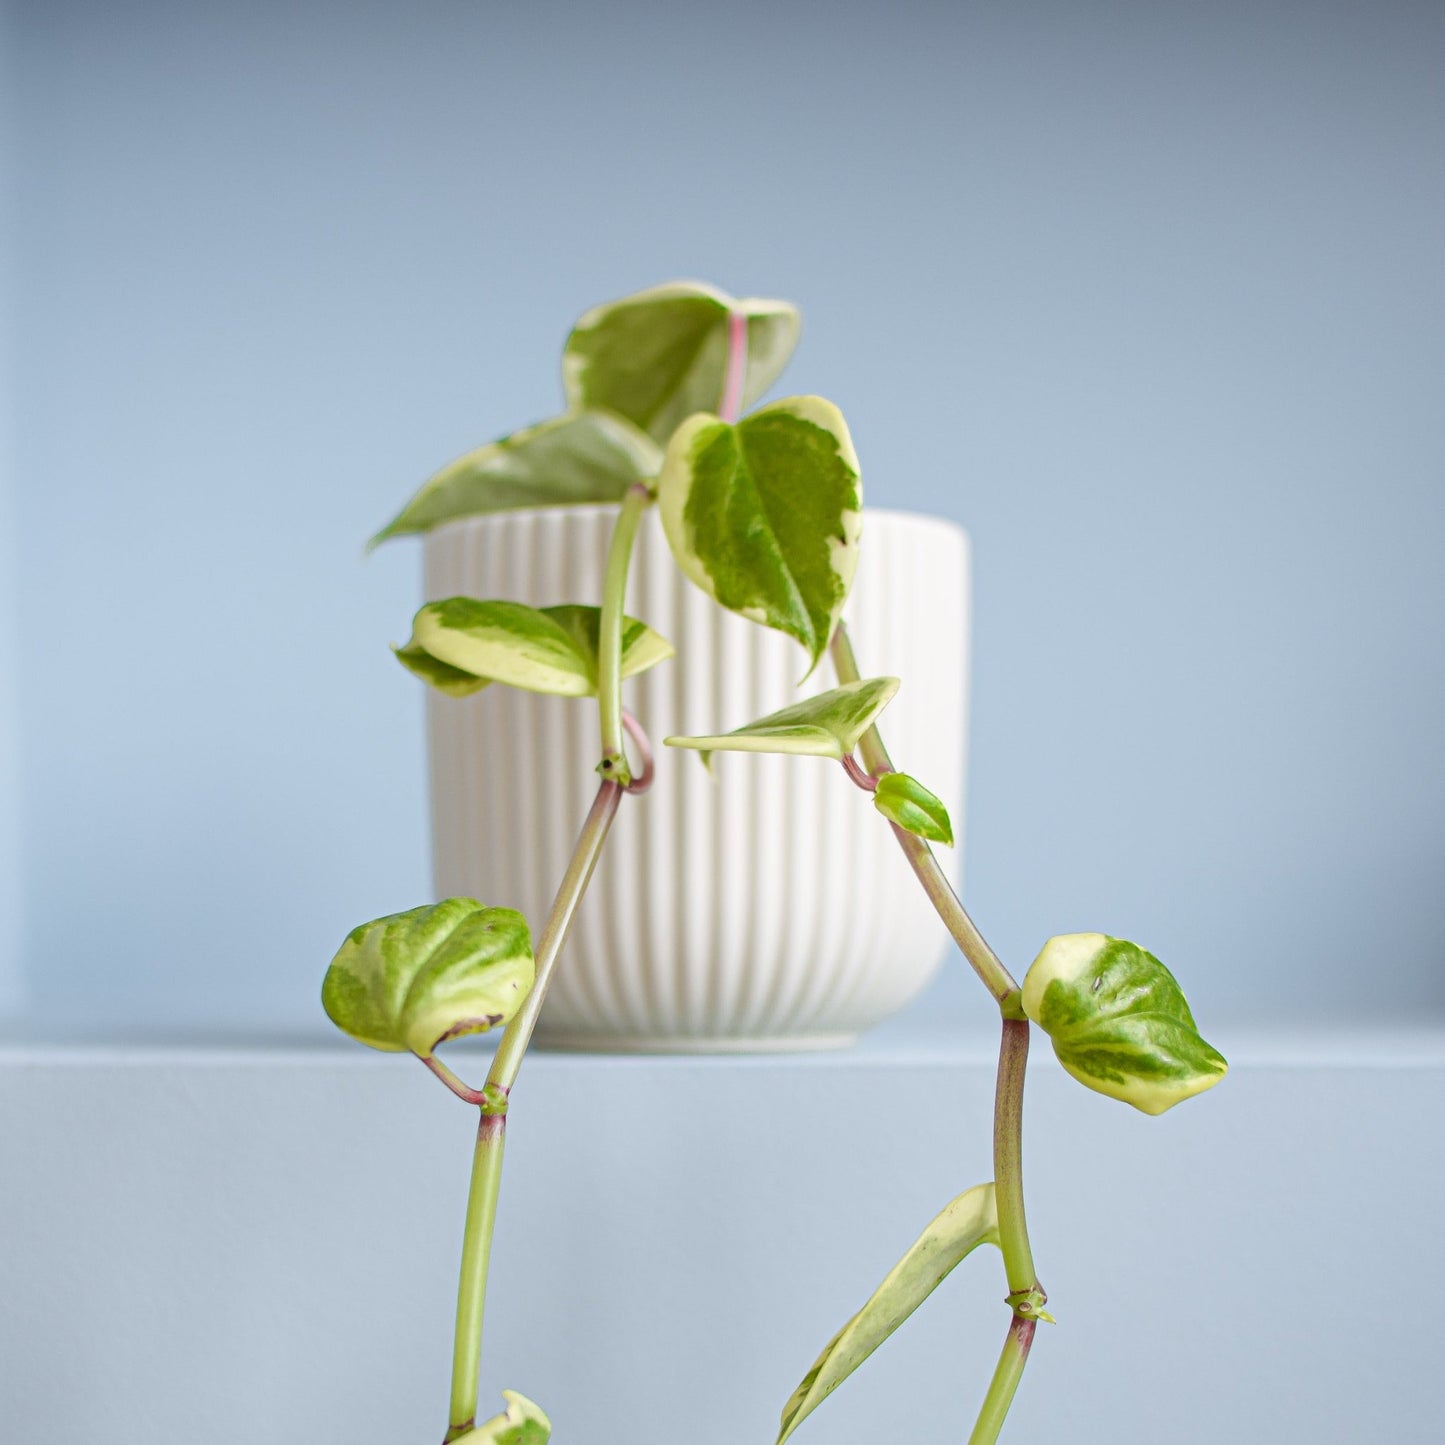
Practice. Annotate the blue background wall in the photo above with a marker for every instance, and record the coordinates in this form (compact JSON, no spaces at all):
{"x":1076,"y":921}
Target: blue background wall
{"x":11,"y":857}
{"x":1149,"y":296}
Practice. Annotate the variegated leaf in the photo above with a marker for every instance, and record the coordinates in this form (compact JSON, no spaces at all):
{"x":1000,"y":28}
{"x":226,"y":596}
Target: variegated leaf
{"x":453,"y":681}
{"x":905,"y":801}
{"x":1119,"y":1022}
{"x":522,"y":1423}
{"x":826,"y":726}
{"x":583,"y":456}
{"x":460,"y":645}
{"x":414,"y":979}
{"x":969,"y":1221}
{"x":765,"y":515}
{"x":660,"y":355}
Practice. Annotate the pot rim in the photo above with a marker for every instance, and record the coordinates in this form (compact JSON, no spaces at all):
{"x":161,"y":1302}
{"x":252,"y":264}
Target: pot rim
{"x":900,"y":515}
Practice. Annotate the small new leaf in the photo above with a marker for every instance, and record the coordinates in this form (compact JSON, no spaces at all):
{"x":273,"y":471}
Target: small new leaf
{"x":765,"y":515}
{"x":414,"y":979}
{"x":660,"y":355}
{"x":1119,"y":1022}
{"x":584,"y":456}
{"x":905,"y":801}
{"x":826,"y":726}
{"x":461,"y":644}
{"x":969,"y":1221}
{"x":521,"y":1423}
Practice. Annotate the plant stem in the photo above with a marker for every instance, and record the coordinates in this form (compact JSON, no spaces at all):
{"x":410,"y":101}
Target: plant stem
{"x":731,"y":405}
{"x":1008,"y":1169}
{"x":981,"y":958}
{"x":642,"y":782}
{"x":1006,"y":1376}
{"x":1026,"y":1297}
{"x":857,"y":776}
{"x":491,"y":1134}
{"x":462,"y":1091}
{"x":476,"y":1252}
{"x":609,"y":641}
{"x":518,"y":1033}
{"x":494,"y":1095}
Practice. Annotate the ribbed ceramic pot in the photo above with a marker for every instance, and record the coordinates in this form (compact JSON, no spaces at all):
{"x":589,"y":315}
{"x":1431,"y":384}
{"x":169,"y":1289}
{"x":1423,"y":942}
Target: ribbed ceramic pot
{"x":764,"y":907}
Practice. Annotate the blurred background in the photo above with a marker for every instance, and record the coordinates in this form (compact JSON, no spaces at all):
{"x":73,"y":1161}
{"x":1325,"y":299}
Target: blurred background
{"x":1148,"y":296}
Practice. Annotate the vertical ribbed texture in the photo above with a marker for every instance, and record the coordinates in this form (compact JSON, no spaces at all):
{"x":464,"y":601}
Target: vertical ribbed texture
{"x":763,"y":906}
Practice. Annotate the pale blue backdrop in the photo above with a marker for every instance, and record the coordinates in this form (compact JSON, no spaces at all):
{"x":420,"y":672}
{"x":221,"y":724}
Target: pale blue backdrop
{"x":1149,"y":296}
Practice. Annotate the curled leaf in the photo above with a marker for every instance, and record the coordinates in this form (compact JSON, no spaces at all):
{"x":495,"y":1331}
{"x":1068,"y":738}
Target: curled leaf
{"x":414,"y":979}
{"x":460,"y":645}
{"x":453,"y":681}
{"x":969,"y":1221}
{"x":826,"y":726}
{"x":660,"y":355}
{"x":1119,"y":1021}
{"x":583,"y":456}
{"x":905,"y":801}
{"x":765,"y":515}
{"x":521,"y":1423}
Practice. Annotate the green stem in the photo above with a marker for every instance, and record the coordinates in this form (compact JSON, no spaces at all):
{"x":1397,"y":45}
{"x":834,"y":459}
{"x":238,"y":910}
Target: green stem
{"x":518,"y":1033}
{"x":1008,"y":1167}
{"x":491,"y":1135}
{"x":1005,"y":1381}
{"x":981,"y":958}
{"x":493,"y":1096}
{"x":1026,"y":1297}
{"x":609,"y":642}
{"x":476,"y":1252}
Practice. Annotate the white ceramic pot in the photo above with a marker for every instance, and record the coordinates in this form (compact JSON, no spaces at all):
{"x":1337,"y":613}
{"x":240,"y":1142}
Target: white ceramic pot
{"x":764,"y":907}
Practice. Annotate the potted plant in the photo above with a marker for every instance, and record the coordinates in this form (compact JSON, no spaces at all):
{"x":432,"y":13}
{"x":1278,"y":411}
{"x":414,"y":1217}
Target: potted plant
{"x":710,"y":928}
{"x":762,"y":512}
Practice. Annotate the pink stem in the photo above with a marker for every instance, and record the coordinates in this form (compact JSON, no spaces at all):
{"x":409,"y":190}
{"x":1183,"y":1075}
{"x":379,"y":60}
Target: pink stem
{"x":866,"y":781}
{"x":732,"y":399}
{"x":643,"y":743}
{"x":461,"y":1090}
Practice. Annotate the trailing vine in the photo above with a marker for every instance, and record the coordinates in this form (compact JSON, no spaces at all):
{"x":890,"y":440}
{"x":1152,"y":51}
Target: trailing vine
{"x":763,"y":510}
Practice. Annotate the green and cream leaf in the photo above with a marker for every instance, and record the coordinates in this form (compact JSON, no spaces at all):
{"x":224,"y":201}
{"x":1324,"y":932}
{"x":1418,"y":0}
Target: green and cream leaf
{"x":642,"y":648}
{"x":583,"y":456}
{"x":765,"y":515}
{"x":969,"y":1221}
{"x":660,"y":355}
{"x":905,"y":801}
{"x":1119,"y":1021}
{"x":461,"y":644}
{"x":826,"y":726}
{"x":521,"y":1423}
{"x":414,"y":979}
{"x":453,"y":681}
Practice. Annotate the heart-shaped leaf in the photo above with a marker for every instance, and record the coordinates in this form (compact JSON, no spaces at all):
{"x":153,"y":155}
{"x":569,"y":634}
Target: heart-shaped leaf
{"x":765,"y":515}
{"x":583,"y":456}
{"x":969,"y":1221}
{"x":522,"y":1423}
{"x":905,"y":801}
{"x":414,"y":979}
{"x":660,"y":355}
{"x":1119,"y":1022}
{"x":461,"y":644}
{"x":826,"y":726}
